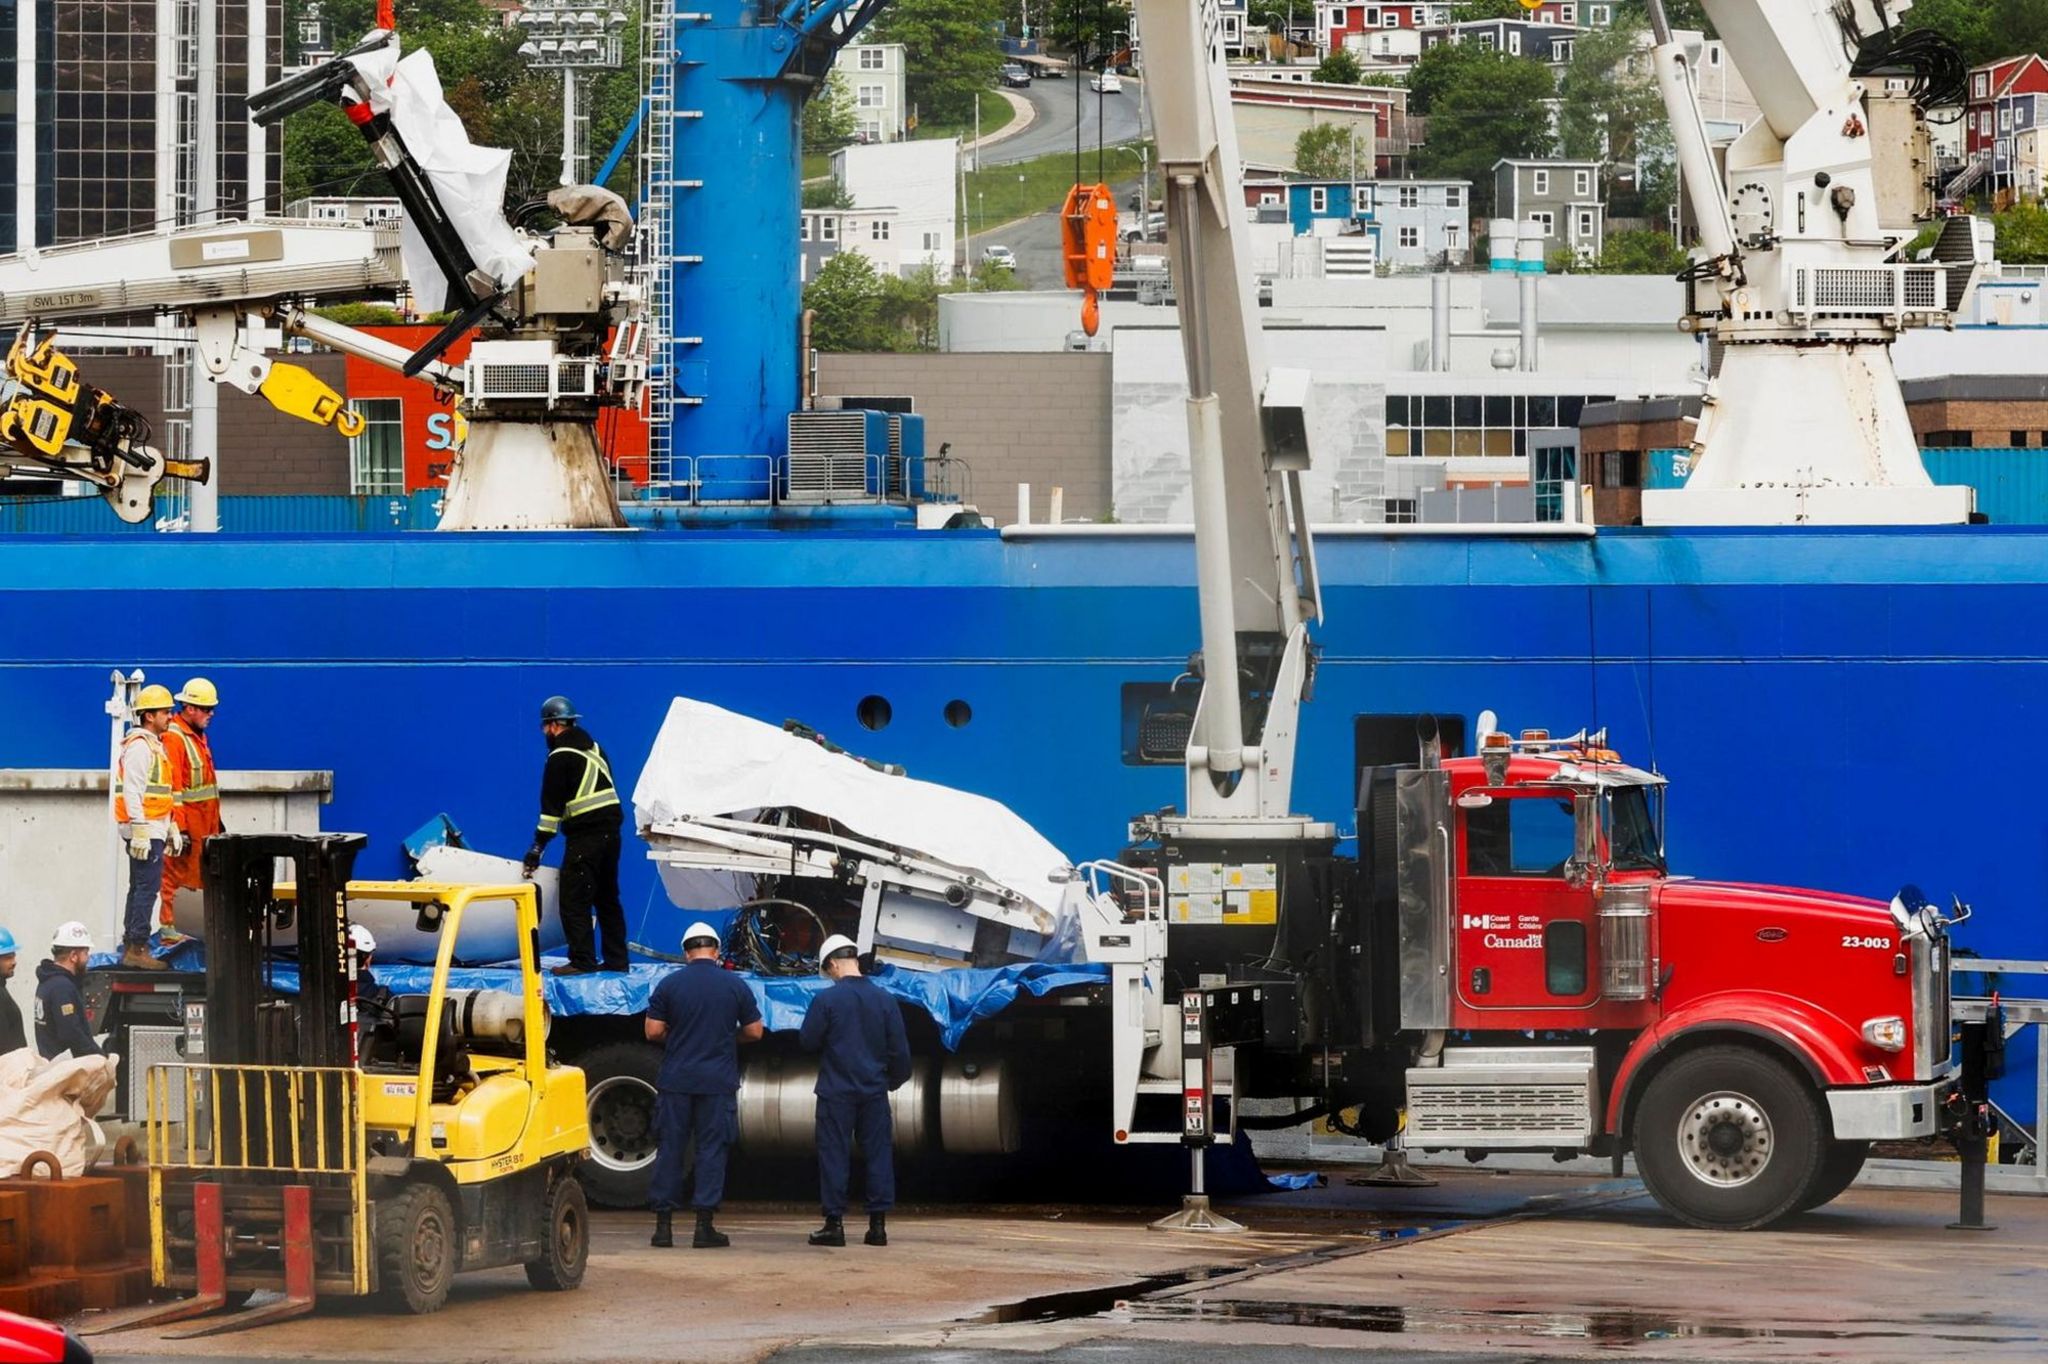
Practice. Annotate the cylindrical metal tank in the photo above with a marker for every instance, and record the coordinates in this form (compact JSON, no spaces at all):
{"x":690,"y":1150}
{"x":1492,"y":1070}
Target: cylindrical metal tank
{"x":1530,"y":248}
{"x":778,"y":1112}
{"x":978,"y":1111}
{"x":1500,"y":245}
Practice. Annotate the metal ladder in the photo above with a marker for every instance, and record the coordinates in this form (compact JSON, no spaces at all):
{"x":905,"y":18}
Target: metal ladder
{"x":654,"y":233}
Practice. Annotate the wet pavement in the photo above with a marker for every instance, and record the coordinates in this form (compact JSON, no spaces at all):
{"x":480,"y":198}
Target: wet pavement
{"x":1482,"y":1267}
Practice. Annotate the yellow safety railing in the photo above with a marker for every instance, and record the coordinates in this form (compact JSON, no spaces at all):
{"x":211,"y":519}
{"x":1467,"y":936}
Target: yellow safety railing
{"x":267,"y":1120}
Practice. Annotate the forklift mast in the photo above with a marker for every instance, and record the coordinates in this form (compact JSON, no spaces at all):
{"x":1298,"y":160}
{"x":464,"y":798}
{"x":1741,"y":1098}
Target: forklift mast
{"x":248,"y":1021}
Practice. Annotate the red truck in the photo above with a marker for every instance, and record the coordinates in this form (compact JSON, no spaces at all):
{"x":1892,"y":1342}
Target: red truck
{"x":1509,"y":965}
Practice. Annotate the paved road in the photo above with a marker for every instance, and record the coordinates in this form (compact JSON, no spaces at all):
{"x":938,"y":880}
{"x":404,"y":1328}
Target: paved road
{"x":1036,"y":240}
{"x":1115,"y":115}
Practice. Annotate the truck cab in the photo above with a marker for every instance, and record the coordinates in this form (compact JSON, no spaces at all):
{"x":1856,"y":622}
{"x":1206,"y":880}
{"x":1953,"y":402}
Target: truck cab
{"x":1745,"y":1042}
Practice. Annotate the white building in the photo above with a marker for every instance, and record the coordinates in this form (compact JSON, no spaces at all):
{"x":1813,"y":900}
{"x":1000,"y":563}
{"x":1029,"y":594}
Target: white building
{"x":873,"y":73}
{"x":357,"y":211}
{"x":904,"y":204}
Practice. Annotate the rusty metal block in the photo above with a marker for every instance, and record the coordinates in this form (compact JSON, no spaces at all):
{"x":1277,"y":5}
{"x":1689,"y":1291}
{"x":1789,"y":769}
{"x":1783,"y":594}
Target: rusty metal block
{"x":71,"y":1222}
{"x":135,"y":1185}
{"x":13,"y":1237}
{"x":47,"y":1296}
{"x":120,"y":1285}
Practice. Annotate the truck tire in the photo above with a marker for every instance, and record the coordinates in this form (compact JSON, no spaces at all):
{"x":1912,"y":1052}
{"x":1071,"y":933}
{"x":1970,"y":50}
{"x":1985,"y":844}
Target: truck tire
{"x":417,"y":1242}
{"x":1729,"y":1138}
{"x":619,"y":1078}
{"x":565,"y":1239}
{"x":1838,"y":1170}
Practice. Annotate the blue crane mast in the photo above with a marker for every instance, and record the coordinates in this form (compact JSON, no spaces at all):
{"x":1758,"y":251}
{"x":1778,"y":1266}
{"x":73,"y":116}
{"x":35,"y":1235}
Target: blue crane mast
{"x":720,"y":149}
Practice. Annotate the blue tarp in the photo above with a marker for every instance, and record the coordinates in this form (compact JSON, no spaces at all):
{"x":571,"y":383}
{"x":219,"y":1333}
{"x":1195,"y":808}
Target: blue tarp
{"x":955,"y":999}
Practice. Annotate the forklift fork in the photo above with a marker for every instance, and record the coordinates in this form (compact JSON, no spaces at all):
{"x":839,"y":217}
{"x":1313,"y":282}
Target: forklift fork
{"x":210,"y":1264}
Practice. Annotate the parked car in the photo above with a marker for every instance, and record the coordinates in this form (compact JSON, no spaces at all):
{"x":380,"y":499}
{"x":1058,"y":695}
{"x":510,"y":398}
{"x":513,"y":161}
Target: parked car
{"x":1015,"y":76}
{"x":1133,"y":227}
{"x":997,"y":257}
{"x":1107,"y":83}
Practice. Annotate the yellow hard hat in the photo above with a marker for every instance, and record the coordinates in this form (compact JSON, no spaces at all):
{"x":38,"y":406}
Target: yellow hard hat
{"x":199,"y":692}
{"x":153,"y":697}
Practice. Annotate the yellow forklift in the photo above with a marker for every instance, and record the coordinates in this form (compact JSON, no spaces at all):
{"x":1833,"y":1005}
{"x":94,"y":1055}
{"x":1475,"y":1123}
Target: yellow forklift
{"x":310,"y":1148}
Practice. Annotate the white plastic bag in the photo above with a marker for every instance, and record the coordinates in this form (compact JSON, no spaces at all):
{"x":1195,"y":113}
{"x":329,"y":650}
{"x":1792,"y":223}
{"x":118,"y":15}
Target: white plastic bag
{"x":48,"y":1106}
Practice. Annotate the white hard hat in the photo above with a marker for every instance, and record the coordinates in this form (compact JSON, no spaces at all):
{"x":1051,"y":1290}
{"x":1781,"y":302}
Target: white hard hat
{"x":698,"y":930}
{"x":72,"y":934}
{"x":838,"y":942}
{"x":362,"y":939}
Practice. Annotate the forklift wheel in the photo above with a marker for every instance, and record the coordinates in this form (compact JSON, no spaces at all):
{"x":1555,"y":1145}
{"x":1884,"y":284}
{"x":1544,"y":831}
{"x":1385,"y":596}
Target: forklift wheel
{"x":565,"y":1238}
{"x":416,"y":1248}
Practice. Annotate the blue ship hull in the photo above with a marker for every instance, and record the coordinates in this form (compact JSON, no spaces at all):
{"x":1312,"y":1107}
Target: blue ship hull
{"x":1818,"y":698}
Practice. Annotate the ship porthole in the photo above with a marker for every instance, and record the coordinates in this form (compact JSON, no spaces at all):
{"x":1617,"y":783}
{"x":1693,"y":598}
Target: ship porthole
{"x":958,"y":713}
{"x":873,"y":712}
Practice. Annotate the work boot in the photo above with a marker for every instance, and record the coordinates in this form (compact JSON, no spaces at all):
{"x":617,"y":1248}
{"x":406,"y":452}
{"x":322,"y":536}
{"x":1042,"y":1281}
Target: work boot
{"x":878,"y":1230}
{"x":136,"y":957}
{"x":572,"y":969}
{"x":833,"y":1233}
{"x":663,"y":1237}
{"x":708,"y":1237}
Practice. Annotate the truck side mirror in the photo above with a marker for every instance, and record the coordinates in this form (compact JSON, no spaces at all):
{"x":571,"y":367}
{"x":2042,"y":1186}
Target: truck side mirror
{"x":1585,"y":863}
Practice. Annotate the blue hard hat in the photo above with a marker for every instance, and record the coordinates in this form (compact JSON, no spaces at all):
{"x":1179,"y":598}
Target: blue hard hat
{"x":7,"y":947}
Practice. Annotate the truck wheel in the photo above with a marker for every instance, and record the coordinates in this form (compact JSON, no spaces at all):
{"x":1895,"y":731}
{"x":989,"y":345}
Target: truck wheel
{"x":620,"y":1077}
{"x":416,"y":1248}
{"x":1838,"y":1170}
{"x":565,"y":1239}
{"x":1728,"y":1138}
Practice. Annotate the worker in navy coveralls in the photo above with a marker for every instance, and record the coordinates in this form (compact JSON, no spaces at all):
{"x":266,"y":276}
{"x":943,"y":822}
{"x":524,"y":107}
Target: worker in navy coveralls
{"x":700,"y":1014}
{"x":857,"y":1032}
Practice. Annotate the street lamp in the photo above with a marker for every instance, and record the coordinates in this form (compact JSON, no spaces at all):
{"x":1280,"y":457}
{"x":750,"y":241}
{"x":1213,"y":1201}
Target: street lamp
{"x":562,"y":35}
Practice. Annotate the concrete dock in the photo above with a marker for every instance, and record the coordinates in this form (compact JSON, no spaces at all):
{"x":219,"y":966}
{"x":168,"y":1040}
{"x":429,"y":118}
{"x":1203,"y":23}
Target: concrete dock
{"x":1482,"y":1267}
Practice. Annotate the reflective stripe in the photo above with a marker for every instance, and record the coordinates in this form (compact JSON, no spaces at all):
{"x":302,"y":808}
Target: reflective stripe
{"x":548,"y":824}
{"x":156,"y":793}
{"x":197,"y":762}
{"x":588,"y":797}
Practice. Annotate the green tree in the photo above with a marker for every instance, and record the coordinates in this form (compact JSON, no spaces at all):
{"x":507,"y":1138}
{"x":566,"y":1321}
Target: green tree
{"x":1331,"y":151}
{"x":950,"y":53}
{"x":1339,"y":68}
{"x":829,"y":194}
{"x":1640,"y":253}
{"x":1967,"y":23}
{"x":1491,"y":107}
{"x":1435,"y":69}
{"x":1610,"y":110}
{"x":1489,"y":9}
{"x":844,"y":297}
{"x":830,"y":117}
{"x":2022,"y":235}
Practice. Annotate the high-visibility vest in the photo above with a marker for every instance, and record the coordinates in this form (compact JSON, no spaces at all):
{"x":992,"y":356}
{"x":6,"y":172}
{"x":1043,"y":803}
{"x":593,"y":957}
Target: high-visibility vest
{"x":200,"y":782}
{"x":156,"y":796}
{"x":588,"y":797}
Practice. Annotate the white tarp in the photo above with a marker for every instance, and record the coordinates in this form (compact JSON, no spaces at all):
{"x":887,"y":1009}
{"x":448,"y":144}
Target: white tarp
{"x":711,"y":761}
{"x":47,"y":1106}
{"x":470,"y":180}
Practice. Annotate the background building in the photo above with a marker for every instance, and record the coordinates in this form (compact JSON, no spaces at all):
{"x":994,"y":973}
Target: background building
{"x":103,"y":100}
{"x":873,"y":73}
{"x":1564,"y":196}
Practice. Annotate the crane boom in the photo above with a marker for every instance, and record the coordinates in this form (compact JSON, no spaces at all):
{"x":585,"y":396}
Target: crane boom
{"x":1247,"y":440}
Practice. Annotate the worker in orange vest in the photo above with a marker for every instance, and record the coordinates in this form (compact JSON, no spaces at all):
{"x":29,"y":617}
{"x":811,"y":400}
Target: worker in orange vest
{"x":195,"y":796}
{"x":142,"y":812}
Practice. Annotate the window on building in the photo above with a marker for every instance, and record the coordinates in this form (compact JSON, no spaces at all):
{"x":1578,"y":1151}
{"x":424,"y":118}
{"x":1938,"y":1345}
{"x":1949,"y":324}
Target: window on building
{"x":1599,"y":15}
{"x":1389,"y":19}
{"x":931,"y":241}
{"x":1585,"y":224}
{"x":1454,"y":237}
{"x":1269,"y":198}
{"x":1621,"y":469}
{"x":1713,"y":54}
{"x":1582,"y":183}
{"x":1539,"y":182}
{"x":1411,"y":236}
{"x":878,"y":230}
{"x":1561,"y":50}
{"x":871,"y":59}
{"x":1549,"y":223}
{"x":2019,"y":440}
{"x":376,"y":459}
{"x":1454,"y":196}
{"x":1466,"y":426}
{"x":828,"y":229}
{"x":1947,"y":440}
{"x":1486,"y":40}
{"x":1402,"y":511}
{"x":1515,"y":41}
{"x":1568,"y":14}
{"x":1983,"y":85}
{"x":1410,"y":197}
{"x":1318,"y":199}
{"x":870,"y":95}
{"x":803,"y":228}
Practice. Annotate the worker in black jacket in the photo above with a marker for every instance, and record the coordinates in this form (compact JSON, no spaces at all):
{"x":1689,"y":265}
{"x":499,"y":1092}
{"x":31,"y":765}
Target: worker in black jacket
{"x":579,"y":799}
{"x":61,"y":1022}
{"x":856,"y":1031}
{"x":13,"y":1036}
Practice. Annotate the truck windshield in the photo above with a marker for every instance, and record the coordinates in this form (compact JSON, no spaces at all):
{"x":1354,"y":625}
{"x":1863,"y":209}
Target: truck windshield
{"x":1632,"y":841}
